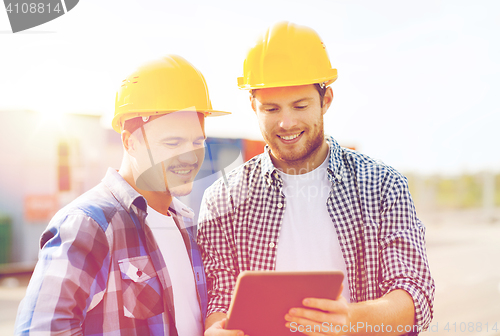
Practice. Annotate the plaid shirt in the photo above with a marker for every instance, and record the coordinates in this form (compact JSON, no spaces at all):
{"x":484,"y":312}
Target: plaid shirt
{"x":100,"y":271}
{"x":381,"y":239}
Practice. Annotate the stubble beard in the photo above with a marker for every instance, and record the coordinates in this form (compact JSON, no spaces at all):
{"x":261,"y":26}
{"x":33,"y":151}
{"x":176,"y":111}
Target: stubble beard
{"x":294,"y":156}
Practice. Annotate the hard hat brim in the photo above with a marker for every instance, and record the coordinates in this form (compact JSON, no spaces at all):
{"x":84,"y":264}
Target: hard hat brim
{"x":251,"y":86}
{"x":120,"y":118}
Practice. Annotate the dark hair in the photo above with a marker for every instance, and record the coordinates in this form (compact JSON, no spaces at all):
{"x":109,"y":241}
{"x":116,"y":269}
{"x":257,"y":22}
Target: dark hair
{"x":320,"y":88}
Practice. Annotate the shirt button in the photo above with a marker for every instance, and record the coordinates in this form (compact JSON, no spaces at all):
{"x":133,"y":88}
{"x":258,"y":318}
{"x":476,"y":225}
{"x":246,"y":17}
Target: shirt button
{"x":269,"y":181}
{"x":271,"y":245}
{"x":339,"y":177}
{"x":280,"y":205}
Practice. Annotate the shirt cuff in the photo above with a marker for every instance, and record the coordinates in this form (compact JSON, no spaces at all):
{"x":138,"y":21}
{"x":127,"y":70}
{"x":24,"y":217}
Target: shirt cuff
{"x":421,"y":301}
{"x":216,"y":309}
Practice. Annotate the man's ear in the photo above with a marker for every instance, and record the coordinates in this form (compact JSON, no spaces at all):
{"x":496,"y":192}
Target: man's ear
{"x":327,"y":99}
{"x":252,"y":103}
{"x":128,"y":141}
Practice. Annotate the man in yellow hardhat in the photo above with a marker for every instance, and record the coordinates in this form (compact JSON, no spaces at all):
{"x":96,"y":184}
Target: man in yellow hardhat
{"x":307,"y":204}
{"x":122,"y":259}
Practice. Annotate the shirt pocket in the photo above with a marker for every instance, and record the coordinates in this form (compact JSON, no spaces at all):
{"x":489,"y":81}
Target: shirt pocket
{"x":141,"y":289}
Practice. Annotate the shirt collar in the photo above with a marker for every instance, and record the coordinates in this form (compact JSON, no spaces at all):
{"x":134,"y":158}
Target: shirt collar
{"x":268,"y":168}
{"x":128,"y":196}
{"x":335,"y":167}
{"x":122,"y":191}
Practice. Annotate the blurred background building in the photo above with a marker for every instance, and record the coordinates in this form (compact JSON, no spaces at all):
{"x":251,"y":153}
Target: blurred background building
{"x":46,"y":163}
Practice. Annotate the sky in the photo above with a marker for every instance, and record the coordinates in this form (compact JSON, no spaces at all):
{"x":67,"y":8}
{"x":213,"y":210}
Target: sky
{"x":417,"y":85}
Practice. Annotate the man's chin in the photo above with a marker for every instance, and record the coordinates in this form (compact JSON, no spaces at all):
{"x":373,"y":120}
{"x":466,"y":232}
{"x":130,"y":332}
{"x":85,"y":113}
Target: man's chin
{"x":181,"y":190}
{"x":288,"y":155}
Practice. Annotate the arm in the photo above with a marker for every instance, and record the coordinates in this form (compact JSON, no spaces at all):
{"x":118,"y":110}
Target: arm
{"x":214,"y":318}
{"x":220,"y":267}
{"x":402,"y":254}
{"x":72,"y":267}
{"x":404,"y":279}
{"x":218,"y":250}
{"x":215,"y":326}
{"x":394,"y":309}
{"x":392,"y":314}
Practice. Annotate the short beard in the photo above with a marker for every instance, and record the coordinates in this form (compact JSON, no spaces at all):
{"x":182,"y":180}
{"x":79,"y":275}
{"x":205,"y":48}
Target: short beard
{"x":311,"y":147}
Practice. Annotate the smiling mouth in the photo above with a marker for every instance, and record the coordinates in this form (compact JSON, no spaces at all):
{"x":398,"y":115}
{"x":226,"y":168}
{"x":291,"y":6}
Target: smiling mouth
{"x":290,"y":137}
{"x":182,"y":171}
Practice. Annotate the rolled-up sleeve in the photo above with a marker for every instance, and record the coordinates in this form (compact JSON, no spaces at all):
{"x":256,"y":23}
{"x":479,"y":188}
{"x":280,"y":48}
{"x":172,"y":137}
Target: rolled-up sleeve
{"x":403,"y":255}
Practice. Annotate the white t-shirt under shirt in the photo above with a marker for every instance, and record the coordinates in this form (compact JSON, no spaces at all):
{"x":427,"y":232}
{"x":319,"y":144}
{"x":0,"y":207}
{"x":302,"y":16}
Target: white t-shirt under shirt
{"x":308,"y":240}
{"x":169,"y":239}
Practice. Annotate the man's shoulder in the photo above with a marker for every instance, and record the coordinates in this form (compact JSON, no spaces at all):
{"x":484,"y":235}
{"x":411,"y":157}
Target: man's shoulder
{"x":243,"y":174}
{"x":365,"y":167}
{"x":236,"y":183}
{"x":98,"y":203}
{"x":95,"y":207}
{"x":362,"y":161}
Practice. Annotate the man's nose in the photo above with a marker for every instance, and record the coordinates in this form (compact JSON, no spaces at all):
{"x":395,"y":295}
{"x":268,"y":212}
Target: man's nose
{"x":189,"y":157}
{"x":287,"y":119}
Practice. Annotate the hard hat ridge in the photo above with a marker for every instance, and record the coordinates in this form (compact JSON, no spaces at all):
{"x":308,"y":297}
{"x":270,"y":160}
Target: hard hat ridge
{"x":287,"y":54}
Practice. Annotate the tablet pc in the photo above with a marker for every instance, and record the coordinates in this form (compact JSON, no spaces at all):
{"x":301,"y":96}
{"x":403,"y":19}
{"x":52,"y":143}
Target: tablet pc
{"x":262,"y":298}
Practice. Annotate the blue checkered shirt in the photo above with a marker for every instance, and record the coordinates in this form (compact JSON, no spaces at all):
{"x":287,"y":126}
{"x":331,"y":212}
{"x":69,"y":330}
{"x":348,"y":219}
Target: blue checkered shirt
{"x":381,"y":238}
{"x":100,"y":271}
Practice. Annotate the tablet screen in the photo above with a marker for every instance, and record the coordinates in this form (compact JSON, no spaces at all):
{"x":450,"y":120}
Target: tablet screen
{"x":262,"y":298}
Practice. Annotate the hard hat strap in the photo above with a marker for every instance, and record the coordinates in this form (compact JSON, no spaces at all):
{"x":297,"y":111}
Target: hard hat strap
{"x":164,"y":175}
{"x":147,"y":145}
{"x":151,"y":157}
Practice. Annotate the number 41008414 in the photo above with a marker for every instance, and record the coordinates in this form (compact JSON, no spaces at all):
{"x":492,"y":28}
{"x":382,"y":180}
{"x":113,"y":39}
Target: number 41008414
{"x":471,"y":327}
{"x":32,"y":8}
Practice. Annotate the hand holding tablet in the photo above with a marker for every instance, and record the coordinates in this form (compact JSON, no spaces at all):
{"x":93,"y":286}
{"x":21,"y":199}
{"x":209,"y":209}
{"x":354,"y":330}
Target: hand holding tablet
{"x":262,"y":298}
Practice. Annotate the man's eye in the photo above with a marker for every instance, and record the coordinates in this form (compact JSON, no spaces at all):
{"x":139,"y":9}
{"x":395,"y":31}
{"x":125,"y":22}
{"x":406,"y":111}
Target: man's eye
{"x":199,"y":143}
{"x":301,"y":107}
{"x":271,"y":109}
{"x":171,"y":144}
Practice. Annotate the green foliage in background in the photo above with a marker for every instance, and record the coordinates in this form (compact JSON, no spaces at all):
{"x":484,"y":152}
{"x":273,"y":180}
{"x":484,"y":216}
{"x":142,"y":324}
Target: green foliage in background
{"x":459,"y":192}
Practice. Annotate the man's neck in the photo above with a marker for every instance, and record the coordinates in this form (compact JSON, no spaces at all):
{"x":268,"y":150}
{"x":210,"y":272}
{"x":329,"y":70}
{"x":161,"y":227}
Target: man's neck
{"x":159,"y":201}
{"x":307,"y":164}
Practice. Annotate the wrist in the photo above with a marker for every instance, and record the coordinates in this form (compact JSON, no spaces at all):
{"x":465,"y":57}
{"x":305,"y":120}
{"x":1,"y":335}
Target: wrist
{"x":213,"y":318}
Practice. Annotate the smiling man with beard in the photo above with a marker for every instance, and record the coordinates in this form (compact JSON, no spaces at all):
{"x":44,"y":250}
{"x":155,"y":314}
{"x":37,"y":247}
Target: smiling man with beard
{"x":307,"y":204}
{"x":122,"y":259}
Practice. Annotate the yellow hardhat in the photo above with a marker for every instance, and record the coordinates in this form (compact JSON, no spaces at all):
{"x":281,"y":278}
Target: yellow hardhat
{"x":162,"y":86}
{"x":287,"y":55}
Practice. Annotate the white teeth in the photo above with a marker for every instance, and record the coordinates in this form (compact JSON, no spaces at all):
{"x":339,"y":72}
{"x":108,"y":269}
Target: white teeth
{"x":182,"y":171}
{"x":290,"y":137}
